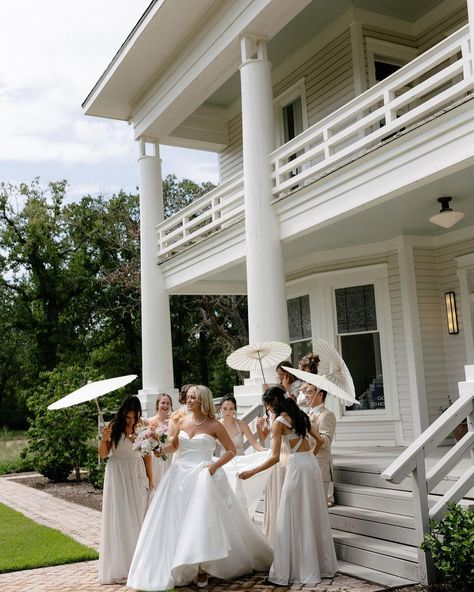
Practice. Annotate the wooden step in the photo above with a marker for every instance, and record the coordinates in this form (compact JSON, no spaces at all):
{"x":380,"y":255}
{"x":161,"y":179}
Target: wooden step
{"x":380,"y":525}
{"x":386,"y":556}
{"x":371,"y":575}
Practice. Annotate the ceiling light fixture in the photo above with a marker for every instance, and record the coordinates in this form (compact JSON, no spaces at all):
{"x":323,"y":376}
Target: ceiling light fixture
{"x":447,"y":217}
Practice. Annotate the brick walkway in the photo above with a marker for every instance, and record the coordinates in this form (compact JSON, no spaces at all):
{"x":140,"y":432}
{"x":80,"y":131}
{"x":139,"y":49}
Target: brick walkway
{"x":83,"y":524}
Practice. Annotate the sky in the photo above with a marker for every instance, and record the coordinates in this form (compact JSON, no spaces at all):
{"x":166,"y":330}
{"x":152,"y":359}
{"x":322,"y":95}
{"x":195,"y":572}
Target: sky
{"x":52,"y":53}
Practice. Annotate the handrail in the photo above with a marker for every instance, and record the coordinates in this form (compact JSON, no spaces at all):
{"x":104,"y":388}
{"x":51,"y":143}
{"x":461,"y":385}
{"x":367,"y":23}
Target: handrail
{"x":249,"y":417}
{"x":419,"y":89}
{"x":412,"y":461}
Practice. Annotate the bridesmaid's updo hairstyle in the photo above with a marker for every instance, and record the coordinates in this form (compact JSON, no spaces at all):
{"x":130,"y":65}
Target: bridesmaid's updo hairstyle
{"x":230,"y":399}
{"x":160,"y":396}
{"x":204,"y":396}
{"x":309,"y":363}
{"x":275,"y":398}
{"x":183,"y":392}
{"x":118,"y":423}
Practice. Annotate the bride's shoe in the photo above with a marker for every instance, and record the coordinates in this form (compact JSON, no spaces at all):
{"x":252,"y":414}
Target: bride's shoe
{"x":202,"y":580}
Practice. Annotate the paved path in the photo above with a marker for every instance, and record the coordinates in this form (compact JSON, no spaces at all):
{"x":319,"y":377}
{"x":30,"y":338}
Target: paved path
{"x":83,"y":524}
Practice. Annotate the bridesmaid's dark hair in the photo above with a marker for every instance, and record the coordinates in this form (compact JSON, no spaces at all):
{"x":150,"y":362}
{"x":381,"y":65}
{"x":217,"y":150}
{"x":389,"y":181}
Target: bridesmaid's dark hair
{"x":118,"y":423}
{"x":229,"y":398}
{"x":275,"y":397}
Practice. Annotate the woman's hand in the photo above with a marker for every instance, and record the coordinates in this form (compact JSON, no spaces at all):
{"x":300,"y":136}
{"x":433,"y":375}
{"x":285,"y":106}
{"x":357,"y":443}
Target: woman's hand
{"x":212,"y":469}
{"x":151,"y":485}
{"x":107,"y":433}
{"x":246,"y":474}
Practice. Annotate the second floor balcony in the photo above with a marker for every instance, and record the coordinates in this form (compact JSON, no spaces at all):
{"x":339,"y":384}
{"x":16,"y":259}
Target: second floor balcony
{"x":422,"y":91}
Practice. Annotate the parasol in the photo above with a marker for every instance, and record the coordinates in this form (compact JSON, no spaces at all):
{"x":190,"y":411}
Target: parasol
{"x":92,"y":390}
{"x":259,"y":356}
{"x":323,"y":383}
{"x":333,"y":367}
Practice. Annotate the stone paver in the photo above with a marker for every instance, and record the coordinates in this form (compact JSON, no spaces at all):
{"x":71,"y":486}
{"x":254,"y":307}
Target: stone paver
{"x":83,"y":524}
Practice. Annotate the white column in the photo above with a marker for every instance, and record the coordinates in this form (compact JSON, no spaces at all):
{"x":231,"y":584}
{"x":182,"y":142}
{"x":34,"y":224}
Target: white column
{"x":268,"y":317}
{"x":470,"y":16}
{"x":157,"y":359}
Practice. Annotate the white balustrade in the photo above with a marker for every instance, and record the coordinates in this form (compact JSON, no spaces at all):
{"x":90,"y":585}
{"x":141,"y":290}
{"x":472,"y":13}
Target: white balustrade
{"x":435,"y":80}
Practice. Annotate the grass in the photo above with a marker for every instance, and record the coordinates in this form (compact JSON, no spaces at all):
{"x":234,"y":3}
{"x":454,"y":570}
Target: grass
{"x":11,"y":445}
{"x":24,"y":544}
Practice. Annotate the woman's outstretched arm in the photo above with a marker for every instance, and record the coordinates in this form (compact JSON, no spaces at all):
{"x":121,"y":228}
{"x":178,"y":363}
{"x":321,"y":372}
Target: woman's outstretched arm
{"x":229,"y":447}
{"x":319,"y":440}
{"x":250,"y":437}
{"x":277,"y":430}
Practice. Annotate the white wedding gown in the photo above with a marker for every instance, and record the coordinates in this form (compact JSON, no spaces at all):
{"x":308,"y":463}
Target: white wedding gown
{"x":195,"y":520}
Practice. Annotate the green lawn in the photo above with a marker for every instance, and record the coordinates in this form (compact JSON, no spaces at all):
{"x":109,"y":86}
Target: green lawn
{"x":24,"y":544}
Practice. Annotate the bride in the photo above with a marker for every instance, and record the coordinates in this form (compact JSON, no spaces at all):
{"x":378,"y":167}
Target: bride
{"x":195,"y":525}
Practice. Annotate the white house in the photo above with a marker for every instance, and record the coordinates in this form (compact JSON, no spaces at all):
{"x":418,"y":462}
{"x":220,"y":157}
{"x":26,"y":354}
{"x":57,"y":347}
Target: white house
{"x":338,"y":126}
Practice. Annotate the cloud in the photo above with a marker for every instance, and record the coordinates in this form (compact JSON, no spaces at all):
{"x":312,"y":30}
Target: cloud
{"x":54,"y":52}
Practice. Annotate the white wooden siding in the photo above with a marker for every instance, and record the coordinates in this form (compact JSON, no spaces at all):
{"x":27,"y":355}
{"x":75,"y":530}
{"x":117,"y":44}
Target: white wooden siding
{"x":435,"y":34}
{"x":230,"y":159}
{"x":455,"y":345}
{"x":399,"y":346}
{"x":432,"y":326}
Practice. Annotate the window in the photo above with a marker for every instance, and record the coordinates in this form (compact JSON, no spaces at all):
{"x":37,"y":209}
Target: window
{"x":299,"y":321}
{"x":359,"y":341}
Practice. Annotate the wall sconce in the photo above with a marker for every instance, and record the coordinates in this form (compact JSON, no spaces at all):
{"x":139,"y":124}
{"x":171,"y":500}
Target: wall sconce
{"x":446,"y":217}
{"x":451,"y":313}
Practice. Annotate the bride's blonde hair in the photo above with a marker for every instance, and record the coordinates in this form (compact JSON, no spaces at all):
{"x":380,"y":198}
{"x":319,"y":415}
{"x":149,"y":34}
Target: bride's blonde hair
{"x":204,"y":396}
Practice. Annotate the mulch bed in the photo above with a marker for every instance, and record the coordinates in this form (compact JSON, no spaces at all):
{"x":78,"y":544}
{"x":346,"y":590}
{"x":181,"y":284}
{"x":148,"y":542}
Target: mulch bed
{"x":78,"y":492}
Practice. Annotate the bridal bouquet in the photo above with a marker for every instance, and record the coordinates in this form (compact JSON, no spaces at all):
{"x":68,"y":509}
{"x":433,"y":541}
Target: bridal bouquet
{"x":148,"y":440}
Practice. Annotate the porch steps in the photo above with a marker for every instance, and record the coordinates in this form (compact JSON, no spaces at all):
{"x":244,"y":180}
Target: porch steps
{"x":373,"y":525}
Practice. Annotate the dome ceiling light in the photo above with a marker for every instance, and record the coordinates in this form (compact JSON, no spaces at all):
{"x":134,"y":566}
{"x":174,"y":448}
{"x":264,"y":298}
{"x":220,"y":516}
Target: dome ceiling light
{"x":446,"y":217}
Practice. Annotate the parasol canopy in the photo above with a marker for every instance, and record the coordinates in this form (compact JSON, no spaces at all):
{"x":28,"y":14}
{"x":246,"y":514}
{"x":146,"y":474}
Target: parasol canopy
{"x":259,"y":356}
{"x":333,"y":367}
{"x":323,"y":383}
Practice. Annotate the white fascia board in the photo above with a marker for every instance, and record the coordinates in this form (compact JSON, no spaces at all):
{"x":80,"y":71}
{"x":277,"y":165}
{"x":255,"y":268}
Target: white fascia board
{"x":211,"y":57}
{"x":409,"y":161}
{"x":214,"y":254}
{"x":214,"y":288}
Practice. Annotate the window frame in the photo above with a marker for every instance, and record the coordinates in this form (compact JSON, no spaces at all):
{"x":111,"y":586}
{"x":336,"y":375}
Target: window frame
{"x":387,"y":52}
{"x":295,"y":91}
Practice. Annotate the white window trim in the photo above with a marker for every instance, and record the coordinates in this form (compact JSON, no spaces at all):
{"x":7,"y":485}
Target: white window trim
{"x":295,"y":91}
{"x":320,"y":288}
{"x":392,"y":53}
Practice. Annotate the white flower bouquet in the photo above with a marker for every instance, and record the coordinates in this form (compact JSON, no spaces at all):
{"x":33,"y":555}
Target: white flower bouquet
{"x":149,"y":440}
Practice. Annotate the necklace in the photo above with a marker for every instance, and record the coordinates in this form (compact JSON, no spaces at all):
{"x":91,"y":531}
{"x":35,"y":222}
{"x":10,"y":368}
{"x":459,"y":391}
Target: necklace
{"x":199,"y":423}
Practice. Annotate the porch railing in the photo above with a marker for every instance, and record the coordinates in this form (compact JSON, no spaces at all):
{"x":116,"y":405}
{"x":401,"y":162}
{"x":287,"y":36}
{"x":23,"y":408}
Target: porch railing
{"x":412,"y":462}
{"x":251,"y":419}
{"x":437,"y":78}
{"x":213,"y":211}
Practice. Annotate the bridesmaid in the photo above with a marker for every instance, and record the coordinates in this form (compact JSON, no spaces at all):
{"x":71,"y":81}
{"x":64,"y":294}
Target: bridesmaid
{"x":303,"y":528}
{"x":128,"y":478}
{"x":160,"y":421}
{"x":236,"y":428}
{"x":288,"y":381}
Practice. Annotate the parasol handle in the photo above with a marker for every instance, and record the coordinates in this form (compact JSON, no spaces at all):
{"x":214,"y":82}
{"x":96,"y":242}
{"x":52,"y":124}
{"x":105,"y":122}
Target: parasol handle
{"x":99,"y":411}
{"x":261,"y":367}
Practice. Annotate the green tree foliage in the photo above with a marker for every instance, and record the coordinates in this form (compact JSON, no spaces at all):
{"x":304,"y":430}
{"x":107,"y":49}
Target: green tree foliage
{"x":58,"y":440}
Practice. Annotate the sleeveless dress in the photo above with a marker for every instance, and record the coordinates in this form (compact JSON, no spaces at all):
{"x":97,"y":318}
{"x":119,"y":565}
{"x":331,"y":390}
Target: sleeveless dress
{"x":195,"y":520}
{"x":271,"y":501}
{"x":160,"y":466}
{"x":123,"y":510}
{"x":304,"y":549}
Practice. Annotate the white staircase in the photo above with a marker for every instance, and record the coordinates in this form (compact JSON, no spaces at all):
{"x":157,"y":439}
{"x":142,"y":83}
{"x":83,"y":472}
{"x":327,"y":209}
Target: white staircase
{"x":373,"y":524}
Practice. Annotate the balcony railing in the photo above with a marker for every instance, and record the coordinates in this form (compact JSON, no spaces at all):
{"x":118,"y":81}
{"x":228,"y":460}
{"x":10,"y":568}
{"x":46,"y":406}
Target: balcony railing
{"x":438,"y":78}
{"x":213,"y":211}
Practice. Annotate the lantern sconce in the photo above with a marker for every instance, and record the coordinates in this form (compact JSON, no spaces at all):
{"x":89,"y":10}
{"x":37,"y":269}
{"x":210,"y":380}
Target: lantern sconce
{"x":451,"y":313}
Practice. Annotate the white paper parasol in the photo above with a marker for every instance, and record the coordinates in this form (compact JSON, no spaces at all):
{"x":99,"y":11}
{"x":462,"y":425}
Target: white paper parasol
{"x":91,"y":391}
{"x":333,"y":367}
{"x":259,"y":356}
{"x":322,"y":383}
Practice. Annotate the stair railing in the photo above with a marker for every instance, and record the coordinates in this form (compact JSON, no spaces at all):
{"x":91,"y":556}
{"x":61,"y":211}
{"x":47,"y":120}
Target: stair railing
{"x":412,"y":462}
{"x":250,"y":417}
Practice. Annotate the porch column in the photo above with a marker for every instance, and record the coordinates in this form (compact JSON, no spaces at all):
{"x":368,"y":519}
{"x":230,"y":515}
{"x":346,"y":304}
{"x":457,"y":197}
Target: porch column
{"x":470,"y":18}
{"x":157,"y":358}
{"x":268,"y":317}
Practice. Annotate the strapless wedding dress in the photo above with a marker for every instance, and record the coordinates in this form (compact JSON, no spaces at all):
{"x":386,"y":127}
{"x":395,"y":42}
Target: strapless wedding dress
{"x":195,"y":520}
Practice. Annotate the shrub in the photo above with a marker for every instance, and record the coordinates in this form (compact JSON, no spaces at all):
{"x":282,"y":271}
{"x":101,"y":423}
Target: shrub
{"x":451,"y":545}
{"x":95,"y":468}
{"x":58,"y":439}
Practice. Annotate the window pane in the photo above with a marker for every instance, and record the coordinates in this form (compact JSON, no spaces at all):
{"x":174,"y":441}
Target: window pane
{"x":300,"y":349}
{"x":362,"y":356}
{"x":355,"y":309}
{"x":299,"y":318}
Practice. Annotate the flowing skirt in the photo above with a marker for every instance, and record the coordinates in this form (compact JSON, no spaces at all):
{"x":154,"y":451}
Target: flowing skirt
{"x":304,"y":549}
{"x":195,"y":521}
{"x":123,"y":510}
